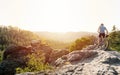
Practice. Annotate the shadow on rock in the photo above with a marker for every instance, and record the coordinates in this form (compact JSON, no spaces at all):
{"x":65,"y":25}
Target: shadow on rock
{"x":112,"y":61}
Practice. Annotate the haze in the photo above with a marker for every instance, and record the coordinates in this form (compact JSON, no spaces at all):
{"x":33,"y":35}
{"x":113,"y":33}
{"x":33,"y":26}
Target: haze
{"x":60,"y":15}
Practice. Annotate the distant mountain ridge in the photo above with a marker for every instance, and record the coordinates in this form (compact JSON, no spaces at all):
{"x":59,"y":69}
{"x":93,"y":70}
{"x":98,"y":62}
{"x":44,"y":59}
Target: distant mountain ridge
{"x":65,"y":37}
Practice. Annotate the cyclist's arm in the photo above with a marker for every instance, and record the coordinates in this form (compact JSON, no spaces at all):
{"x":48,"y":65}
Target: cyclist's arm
{"x":106,"y":31}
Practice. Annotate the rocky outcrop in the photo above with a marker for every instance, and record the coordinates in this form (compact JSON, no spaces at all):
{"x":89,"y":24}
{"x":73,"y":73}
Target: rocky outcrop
{"x":103,"y":63}
{"x":97,"y":63}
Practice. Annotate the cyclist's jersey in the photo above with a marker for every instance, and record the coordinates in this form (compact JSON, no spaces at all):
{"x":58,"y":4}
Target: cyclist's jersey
{"x":102,"y":29}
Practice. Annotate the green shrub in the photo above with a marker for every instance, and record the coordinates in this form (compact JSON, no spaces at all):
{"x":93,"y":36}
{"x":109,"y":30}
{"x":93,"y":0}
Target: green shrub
{"x":114,"y":39}
{"x":35,"y":63}
{"x":1,"y":55}
{"x":82,"y":42}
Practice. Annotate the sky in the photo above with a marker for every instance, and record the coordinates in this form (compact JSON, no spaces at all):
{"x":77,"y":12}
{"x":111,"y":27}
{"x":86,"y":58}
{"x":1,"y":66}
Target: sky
{"x":60,"y":15}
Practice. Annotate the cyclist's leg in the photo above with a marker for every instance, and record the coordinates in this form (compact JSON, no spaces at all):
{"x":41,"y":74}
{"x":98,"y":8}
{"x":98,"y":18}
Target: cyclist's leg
{"x":99,"y":39}
{"x":103,"y":38}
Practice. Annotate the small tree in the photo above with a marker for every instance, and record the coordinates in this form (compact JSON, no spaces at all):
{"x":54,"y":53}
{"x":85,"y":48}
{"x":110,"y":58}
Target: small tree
{"x":114,"y":28}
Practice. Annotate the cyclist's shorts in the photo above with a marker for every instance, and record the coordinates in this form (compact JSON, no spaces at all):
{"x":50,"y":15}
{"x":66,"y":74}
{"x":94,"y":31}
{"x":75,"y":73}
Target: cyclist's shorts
{"x":102,"y":35}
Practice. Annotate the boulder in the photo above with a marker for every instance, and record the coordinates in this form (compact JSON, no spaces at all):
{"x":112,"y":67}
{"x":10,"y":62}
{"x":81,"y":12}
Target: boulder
{"x":76,"y":55}
{"x":57,"y":54}
{"x":15,"y":52}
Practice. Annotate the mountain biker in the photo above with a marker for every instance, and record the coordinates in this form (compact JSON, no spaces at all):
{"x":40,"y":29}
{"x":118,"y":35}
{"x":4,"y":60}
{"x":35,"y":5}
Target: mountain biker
{"x":102,"y":30}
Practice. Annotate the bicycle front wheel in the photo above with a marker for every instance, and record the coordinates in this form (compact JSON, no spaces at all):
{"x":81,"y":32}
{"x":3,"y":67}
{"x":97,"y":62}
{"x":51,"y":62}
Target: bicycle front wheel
{"x":105,"y":45}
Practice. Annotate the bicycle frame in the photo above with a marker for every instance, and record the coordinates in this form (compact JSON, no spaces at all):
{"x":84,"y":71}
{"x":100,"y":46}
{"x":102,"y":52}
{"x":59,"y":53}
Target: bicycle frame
{"x":103,"y":43}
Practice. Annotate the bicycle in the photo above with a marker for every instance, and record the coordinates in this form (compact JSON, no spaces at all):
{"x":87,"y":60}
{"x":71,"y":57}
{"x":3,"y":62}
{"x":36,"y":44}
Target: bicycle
{"x":103,"y":44}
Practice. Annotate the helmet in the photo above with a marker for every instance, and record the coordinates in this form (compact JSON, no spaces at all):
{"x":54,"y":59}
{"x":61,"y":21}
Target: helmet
{"x":102,"y":24}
